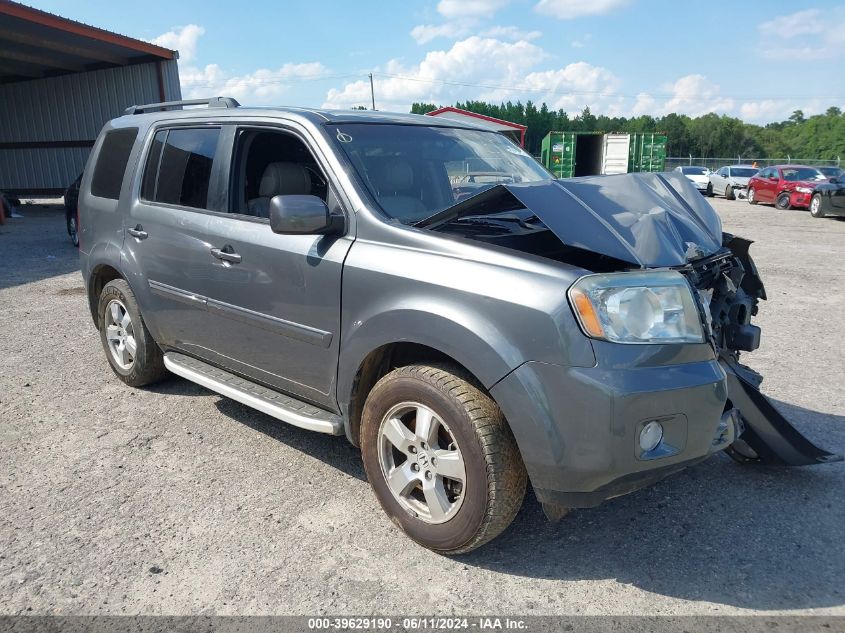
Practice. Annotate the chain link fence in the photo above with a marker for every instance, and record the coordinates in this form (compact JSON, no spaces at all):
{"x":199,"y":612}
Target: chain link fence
{"x":715,"y":163}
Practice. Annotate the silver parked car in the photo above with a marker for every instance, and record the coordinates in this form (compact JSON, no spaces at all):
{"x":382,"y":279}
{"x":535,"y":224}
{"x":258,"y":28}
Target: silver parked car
{"x":324,"y":267}
{"x":730,"y":181}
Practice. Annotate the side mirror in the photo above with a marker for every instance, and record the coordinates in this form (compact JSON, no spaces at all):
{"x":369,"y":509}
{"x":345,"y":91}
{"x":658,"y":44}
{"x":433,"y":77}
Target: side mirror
{"x":303,"y":215}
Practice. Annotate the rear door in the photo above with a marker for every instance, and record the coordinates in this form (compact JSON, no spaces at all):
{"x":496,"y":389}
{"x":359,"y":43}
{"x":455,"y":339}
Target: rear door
{"x":766,"y":185}
{"x":616,"y":153}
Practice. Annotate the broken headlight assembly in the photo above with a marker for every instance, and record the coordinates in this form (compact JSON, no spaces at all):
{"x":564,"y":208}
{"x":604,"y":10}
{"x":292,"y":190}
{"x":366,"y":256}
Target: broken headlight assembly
{"x":637,"y":307}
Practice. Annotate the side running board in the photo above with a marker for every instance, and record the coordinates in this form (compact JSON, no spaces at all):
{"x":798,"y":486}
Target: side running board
{"x":253,"y":395}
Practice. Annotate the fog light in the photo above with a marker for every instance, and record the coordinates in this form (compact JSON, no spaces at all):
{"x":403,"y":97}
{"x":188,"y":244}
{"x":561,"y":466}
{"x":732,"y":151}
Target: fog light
{"x":650,"y":436}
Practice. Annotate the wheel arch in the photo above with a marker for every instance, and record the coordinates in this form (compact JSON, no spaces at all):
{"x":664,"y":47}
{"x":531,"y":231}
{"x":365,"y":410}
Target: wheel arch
{"x":100,"y":275}
{"x":383,"y":344}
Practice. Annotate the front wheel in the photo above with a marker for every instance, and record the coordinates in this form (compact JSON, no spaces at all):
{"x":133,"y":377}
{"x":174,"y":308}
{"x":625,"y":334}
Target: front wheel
{"x":709,"y":192}
{"x":130,"y":348}
{"x":729,"y":193}
{"x":752,"y":197}
{"x":782,"y":202}
{"x":816,"y":207}
{"x":441,"y":458}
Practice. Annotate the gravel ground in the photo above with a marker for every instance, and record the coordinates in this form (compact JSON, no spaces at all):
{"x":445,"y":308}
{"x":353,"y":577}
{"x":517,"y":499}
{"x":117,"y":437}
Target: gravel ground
{"x":173,"y":500}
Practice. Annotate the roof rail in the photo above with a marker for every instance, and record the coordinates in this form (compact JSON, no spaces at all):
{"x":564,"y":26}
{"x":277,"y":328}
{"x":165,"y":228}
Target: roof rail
{"x":213,"y":102}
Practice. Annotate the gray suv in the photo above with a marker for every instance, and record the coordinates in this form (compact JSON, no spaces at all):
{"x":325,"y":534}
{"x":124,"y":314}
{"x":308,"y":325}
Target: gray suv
{"x":332,"y":270}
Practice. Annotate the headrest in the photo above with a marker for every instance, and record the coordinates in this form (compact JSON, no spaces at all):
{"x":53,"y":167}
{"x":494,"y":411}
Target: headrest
{"x":283,"y":179}
{"x":396,"y":176}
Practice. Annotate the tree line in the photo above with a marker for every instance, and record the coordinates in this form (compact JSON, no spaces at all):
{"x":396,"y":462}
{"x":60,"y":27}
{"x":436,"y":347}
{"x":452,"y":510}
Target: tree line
{"x":821,"y":136}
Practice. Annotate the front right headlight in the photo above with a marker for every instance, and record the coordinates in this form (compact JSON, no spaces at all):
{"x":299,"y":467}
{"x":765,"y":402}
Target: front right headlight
{"x":637,"y":307}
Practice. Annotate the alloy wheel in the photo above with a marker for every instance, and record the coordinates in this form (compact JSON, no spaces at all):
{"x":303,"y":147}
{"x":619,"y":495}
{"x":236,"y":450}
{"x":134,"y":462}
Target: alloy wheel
{"x":421,"y":462}
{"x":120,"y":334}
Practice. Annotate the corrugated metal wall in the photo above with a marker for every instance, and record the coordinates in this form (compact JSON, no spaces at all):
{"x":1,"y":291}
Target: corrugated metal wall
{"x":69,"y":108}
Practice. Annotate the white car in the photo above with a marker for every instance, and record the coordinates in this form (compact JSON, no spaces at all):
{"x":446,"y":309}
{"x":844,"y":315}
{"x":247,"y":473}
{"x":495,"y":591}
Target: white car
{"x":699,"y":176}
{"x":731,"y":181}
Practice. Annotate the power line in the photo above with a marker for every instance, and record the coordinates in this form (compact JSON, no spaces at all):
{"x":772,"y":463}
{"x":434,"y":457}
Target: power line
{"x":598,"y":92}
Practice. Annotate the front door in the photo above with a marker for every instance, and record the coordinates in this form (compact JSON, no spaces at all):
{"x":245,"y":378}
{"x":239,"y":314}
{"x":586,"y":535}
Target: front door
{"x":263,"y":305}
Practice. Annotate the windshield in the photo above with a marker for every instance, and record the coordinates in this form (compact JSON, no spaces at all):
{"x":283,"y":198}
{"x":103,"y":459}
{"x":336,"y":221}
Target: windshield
{"x":743,"y":172}
{"x":831,"y":172}
{"x":693,"y":171}
{"x":414,"y":171}
{"x":802,"y":173}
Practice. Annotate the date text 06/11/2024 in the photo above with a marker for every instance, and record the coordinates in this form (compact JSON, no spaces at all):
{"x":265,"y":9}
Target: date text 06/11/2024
{"x":416,"y":623}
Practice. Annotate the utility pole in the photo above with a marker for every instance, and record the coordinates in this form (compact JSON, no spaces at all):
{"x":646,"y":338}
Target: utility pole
{"x":372,"y":91}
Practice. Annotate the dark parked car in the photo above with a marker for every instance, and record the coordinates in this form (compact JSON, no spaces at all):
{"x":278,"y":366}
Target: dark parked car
{"x":829,"y":199}
{"x":785,"y":186}
{"x":833,"y":173}
{"x":71,"y":201}
{"x":583,"y":335}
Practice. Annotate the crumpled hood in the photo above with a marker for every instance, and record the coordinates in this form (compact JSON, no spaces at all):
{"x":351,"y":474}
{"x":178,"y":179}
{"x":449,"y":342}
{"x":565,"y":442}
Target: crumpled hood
{"x":649,"y":220}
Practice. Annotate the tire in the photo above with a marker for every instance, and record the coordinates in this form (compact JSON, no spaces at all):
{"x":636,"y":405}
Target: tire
{"x":752,"y":197}
{"x":468,"y":426}
{"x":782,"y":202}
{"x":72,"y":230}
{"x":816,"y":207}
{"x":709,"y":192}
{"x":119,"y":336}
{"x":729,"y":193}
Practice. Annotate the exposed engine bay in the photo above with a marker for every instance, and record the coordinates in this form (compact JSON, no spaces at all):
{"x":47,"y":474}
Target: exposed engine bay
{"x":648,"y":221}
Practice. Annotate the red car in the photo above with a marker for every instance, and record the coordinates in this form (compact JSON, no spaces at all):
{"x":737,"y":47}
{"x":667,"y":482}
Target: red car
{"x":785,"y":186}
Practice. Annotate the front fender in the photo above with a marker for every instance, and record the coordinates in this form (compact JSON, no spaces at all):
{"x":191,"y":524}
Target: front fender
{"x":481,"y":349}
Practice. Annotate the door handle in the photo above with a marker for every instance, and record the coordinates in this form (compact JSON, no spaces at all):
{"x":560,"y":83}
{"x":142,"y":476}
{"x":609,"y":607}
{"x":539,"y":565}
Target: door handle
{"x":226,"y":255}
{"x":138,"y":232}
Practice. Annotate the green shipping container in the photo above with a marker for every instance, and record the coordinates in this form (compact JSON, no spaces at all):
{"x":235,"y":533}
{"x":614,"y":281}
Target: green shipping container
{"x":647,"y":152}
{"x":568,"y":154}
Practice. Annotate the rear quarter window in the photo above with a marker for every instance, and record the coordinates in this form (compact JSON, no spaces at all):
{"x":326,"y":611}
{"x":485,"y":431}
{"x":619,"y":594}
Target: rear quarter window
{"x":112,"y":161}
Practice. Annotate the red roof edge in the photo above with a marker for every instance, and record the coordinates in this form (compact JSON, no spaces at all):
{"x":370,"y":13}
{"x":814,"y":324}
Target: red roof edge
{"x":50,"y":20}
{"x":515,"y":126}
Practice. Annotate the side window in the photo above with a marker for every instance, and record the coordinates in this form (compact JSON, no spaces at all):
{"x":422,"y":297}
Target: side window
{"x":111,"y":162}
{"x":270,"y":163}
{"x":179,"y":164}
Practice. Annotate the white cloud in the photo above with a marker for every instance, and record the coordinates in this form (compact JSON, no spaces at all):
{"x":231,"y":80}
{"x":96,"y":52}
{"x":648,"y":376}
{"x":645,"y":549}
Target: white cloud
{"x":486,"y":69}
{"x":260,"y":87}
{"x":582,"y":41}
{"x":808,"y":22}
{"x":804,"y":35}
{"x":469,"y":8}
{"x":511,"y":33}
{"x":571,"y":9}
{"x":573,"y":87}
{"x":474,"y":60}
{"x":424,"y":33}
{"x":644,"y":104}
{"x":696,"y":95}
{"x":183,"y":39}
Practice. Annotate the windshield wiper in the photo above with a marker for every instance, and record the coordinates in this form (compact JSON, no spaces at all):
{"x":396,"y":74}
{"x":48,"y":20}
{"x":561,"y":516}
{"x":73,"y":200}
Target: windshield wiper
{"x":488,"y":202}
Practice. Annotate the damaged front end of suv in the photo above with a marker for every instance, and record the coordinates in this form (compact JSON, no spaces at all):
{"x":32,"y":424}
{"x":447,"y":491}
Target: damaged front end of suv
{"x":612,"y":226}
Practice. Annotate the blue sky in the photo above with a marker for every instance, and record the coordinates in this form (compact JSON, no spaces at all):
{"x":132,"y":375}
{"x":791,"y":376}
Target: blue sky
{"x":619,"y":57}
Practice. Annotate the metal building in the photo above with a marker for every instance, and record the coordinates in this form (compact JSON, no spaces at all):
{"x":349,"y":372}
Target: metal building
{"x":60,"y":80}
{"x":513,"y":130}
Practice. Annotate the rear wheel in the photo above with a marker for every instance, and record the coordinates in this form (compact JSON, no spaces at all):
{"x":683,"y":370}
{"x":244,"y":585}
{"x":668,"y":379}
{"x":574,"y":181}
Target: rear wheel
{"x":816,"y":207}
{"x":132,"y":352}
{"x":729,"y":192}
{"x":73,"y":230}
{"x":782,"y":202}
{"x":752,"y":197}
{"x":709,"y":192}
{"x":441,"y":458}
